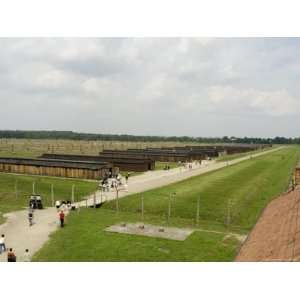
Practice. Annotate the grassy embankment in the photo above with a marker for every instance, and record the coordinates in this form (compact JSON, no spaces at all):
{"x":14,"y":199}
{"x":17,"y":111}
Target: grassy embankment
{"x":230,"y":157}
{"x":249,"y":186}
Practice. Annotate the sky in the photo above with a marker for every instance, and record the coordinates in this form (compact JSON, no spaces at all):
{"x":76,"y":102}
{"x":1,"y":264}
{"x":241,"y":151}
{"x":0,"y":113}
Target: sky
{"x":152,"y":86}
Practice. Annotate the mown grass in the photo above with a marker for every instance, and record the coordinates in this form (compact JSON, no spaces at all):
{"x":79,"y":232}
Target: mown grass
{"x":10,"y":183}
{"x":230,"y":157}
{"x":250,"y":185}
{"x":84,"y":239}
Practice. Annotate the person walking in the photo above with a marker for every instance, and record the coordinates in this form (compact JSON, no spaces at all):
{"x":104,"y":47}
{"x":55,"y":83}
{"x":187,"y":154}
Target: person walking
{"x":57,"y":204}
{"x":2,"y":243}
{"x":62,"y":218}
{"x":126,"y":178}
{"x":30,"y":217}
{"x":26,"y":256}
{"x":63,"y":206}
{"x":11,"y":257}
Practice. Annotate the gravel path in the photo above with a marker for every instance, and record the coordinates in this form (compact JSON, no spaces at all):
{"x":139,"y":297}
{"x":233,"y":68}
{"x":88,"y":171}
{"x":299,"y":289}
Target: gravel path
{"x":20,"y":236}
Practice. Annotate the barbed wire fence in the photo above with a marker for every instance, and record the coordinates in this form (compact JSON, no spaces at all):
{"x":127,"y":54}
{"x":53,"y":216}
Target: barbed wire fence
{"x":20,"y":193}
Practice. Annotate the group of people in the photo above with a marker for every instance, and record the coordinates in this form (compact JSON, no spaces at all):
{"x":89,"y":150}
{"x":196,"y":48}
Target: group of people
{"x":113,"y":182}
{"x":11,"y":257}
{"x":189,"y":166}
{"x":64,"y":205}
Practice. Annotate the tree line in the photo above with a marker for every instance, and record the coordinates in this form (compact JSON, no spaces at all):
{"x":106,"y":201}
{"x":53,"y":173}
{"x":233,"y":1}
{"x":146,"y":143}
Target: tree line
{"x":71,"y":135}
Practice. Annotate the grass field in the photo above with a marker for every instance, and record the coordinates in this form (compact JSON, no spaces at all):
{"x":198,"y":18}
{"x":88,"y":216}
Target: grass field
{"x":83,"y":239}
{"x":35,"y":147}
{"x":10,"y":183}
{"x":249,"y":186}
{"x":239,"y":155}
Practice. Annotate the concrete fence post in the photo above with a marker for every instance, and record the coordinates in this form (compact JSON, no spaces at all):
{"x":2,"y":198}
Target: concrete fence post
{"x":198,"y":211}
{"x":142,"y":207}
{"x":33,"y":188}
{"x":52,"y":194}
{"x":16,"y":189}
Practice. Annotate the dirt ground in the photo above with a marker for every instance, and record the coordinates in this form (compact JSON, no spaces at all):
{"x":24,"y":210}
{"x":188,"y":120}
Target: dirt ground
{"x":276,"y":235}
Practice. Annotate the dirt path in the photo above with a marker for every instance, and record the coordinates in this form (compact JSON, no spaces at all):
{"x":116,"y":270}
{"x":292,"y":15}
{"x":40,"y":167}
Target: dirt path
{"x":20,"y":236}
{"x":276,"y":235}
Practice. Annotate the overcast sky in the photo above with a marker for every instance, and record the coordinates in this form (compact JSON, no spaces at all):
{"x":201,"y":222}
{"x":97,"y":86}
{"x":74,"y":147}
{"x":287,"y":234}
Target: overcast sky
{"x":143,"y":86}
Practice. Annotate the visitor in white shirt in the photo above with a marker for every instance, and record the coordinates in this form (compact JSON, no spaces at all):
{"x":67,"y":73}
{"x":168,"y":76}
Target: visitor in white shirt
{"x":57,"y":204}
{"x":26,"y":256}
{"x":2,"y":243}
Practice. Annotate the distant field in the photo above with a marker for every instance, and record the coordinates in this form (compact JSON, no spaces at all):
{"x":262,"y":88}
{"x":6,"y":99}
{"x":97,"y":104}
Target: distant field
{"x":238,"y":155}
{"x":34,"y":148}
{"x":249,"y":186}
{"x":11,"y":201}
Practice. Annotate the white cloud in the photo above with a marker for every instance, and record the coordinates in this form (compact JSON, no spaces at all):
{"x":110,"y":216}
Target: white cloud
{"x":273,"y":103}
{"x":190,"y":86}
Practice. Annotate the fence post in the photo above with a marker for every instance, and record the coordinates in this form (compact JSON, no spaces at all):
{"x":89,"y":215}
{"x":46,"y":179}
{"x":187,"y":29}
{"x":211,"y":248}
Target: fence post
{"x":117,"y":200}
{"x":228,"y":213}
{"x":52,"y":194}
{"x":73,"y":192}
{"x":78,"y":204}
{"x":95,"y":200}
{"x":169,"y":209}
{"x":16,"y":189}
{"x":33,"y":187}
{"x":142,"y":207}
{"x":198,"y":211}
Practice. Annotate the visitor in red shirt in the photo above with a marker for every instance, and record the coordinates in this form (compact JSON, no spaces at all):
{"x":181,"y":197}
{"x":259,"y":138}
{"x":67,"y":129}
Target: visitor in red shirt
{"x":62,"y":218}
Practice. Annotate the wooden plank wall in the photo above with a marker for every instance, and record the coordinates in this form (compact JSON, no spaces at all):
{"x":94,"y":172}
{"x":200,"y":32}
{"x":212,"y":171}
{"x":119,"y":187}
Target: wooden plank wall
{"x":53,"y":171}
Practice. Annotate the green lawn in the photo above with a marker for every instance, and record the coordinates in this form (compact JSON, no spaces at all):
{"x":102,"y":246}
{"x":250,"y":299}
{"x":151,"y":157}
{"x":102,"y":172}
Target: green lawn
{"x":249,"y":185}
{"x":62,"y":190}
{"x":84,"y":239}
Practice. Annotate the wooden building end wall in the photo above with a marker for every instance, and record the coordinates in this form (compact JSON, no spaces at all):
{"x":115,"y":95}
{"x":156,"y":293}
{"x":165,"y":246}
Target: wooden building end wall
{"x":53,"y":171}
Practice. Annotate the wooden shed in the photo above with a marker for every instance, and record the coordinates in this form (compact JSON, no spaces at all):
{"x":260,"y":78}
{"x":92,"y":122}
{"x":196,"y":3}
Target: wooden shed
{"x":59,"y":168}
{"x":124,"y":163}
{"x":165,"y":156}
